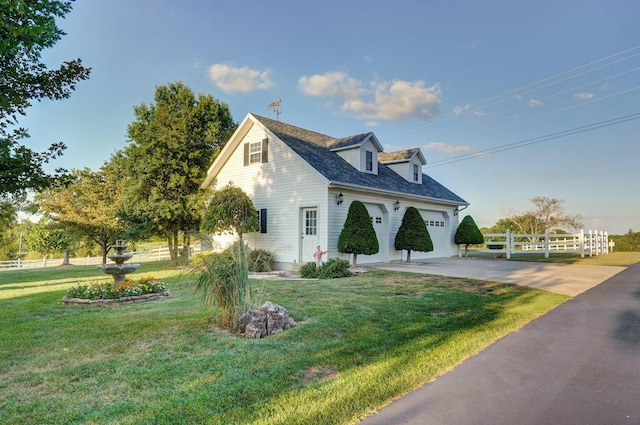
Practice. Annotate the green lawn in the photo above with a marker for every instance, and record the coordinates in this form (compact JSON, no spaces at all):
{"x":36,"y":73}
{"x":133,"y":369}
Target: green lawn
{"x":360,"y":343}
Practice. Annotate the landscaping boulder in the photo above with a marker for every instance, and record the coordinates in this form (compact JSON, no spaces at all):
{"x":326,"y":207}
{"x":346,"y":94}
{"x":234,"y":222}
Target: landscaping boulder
{"x":266,"y":320}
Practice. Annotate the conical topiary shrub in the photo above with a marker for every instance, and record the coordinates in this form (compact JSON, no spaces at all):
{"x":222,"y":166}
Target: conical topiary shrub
{"x":358,"y":235}
{"x":413,"y":234}
{"x":468,"y":234}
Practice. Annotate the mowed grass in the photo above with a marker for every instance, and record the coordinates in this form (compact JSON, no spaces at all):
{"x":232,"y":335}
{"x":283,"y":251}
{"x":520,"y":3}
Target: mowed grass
{"x":360,"y":343}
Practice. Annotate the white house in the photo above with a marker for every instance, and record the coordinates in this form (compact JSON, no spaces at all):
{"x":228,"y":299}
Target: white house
{"x":303,"y":182}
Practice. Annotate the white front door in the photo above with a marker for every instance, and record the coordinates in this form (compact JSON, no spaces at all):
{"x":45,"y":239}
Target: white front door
{"x":309,"y":235}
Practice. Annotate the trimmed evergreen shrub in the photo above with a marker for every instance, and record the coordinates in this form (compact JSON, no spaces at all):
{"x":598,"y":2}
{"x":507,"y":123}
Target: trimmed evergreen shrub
{"x":358,"y":235}
{"x":334,"y":268}
{"x":413,"y":234}
{"x":309,"y":271}
{"x":468,"y":234}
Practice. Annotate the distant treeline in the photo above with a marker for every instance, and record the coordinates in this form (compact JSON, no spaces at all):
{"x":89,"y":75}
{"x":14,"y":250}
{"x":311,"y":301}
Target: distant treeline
{"x":625,"y":243}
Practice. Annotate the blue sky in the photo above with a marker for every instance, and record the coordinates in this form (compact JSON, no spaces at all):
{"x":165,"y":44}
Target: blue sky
{"x":456,"y":78}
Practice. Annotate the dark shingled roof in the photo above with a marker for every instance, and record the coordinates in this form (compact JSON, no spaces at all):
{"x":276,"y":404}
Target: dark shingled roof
{"x":397,"y":155}
{"x":314,"y":148}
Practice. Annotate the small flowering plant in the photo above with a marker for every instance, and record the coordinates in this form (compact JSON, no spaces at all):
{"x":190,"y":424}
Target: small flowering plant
{"x":113,"y":290}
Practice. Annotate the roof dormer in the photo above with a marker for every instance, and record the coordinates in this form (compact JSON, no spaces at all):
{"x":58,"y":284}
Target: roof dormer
{"x":407,"y":163}
{"x":360,"y":151}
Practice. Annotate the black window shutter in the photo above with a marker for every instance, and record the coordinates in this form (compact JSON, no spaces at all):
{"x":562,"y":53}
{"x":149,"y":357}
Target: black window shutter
{"x":265,"y":150}
{"x":263,"y":220}
{"x":246,"y":154}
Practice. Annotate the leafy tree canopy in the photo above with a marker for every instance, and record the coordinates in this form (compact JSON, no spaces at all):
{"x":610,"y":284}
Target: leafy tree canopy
{"x":358,"y":235}
{"x":171,"y":145}
{"x":46,"y":240}
{"x":413,"y":234}
{"x":88,"y":205}
{"x":27,"y":27}
{"x":548,"y":214}
{"x":230,"y":210}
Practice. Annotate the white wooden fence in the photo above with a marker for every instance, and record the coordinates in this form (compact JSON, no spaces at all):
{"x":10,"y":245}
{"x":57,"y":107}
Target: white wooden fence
{"x":140,"y":256}
{"x":586,"y":243}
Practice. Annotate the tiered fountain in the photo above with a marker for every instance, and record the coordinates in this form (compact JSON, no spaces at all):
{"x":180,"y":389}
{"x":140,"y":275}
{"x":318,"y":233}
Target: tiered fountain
{"x":118,"y":269}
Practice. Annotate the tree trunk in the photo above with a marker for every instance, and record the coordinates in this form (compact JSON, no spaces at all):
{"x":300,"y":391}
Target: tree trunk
{"x":172,"y":239}
{"x":408,"y":255}
{"x":44,"y":261}
{"x":103,"y":247}
{"x":65,"y":258}
{"x":355,"y":260}
{"x":186,"y":242}
{"x":466,"y":250}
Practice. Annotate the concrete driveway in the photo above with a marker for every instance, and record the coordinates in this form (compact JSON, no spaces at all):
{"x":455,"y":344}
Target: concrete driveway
{"x":578,"y":364}
{"x":567,"y":279}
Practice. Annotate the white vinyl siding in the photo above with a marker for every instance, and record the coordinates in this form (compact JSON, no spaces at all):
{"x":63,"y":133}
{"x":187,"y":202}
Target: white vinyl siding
{"x":282,"y":186}
{"x":405,"y":170}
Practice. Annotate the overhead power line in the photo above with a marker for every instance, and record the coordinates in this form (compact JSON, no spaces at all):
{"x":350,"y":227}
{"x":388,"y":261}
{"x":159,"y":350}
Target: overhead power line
{"x":535,"y":140}
{"x":529,"y":88}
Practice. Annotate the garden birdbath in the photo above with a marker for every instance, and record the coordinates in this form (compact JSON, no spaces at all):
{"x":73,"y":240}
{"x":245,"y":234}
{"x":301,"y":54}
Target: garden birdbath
{"x":118,"y":269}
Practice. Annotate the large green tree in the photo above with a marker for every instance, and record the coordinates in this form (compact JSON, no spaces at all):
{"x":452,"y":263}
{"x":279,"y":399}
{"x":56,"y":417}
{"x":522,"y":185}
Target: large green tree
{"x":46,"y":240}
{"x":413,"y":234}
{"x":230,"y":210}
{"x":172,"y":143}
{"x":88,"y":205}
{"x":468,"y":233}
{"x":358,"y":235}
{"x":27,"y":27}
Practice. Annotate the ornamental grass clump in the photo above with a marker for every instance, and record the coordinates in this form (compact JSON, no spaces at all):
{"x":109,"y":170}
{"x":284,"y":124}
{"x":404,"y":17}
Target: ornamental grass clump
{"x":113,"y":290}
{"x":223,"y":280}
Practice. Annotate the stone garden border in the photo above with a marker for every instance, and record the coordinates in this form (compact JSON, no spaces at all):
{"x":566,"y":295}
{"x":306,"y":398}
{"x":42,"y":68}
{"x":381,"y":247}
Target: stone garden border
{"x":114,"y":301}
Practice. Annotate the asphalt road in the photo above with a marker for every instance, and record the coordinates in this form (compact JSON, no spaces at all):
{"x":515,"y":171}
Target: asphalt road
{"x":578,"y":364}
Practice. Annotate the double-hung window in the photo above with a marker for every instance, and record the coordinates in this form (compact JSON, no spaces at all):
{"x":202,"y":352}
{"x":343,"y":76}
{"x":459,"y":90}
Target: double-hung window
{"x":256,"y":152}
{"x":369,"y":161}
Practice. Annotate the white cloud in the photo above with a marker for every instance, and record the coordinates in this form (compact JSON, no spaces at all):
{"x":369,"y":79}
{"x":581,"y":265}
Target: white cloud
{"x":382,"y":100}
{"x":533,"y":103}
{"x":460,"y":109}
{"x":239,"y":80}
{"x":445,"y":148}
{"x":332,"y":84}
{"x":583,"y":96}
{"x":475,"y":45}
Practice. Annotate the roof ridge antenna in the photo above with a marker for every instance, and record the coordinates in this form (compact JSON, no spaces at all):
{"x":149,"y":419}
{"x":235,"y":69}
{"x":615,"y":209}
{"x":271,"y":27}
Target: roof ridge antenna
{"x":275,"y":106}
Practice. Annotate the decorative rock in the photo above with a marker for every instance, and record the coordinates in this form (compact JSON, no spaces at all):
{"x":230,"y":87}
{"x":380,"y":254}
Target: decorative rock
{"x":253,"y":324}
{"x":266,"y":320}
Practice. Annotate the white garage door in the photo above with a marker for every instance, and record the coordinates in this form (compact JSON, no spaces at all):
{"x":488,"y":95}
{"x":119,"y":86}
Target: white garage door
{"x":436,"y":225}
{"x":379,"y":221}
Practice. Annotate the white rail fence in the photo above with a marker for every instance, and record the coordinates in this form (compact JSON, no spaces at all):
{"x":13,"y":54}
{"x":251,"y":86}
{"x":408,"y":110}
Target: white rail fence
{"x":588,"y":243}
{"x":141,"y":256}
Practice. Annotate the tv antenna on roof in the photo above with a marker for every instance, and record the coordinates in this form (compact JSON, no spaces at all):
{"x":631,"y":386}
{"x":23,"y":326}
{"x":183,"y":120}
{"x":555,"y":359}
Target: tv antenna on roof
{"x":275,"y":106}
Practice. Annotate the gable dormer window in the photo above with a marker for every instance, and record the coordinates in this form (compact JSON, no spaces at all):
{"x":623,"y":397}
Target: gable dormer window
{"x":369,"y":161}
{"x":256,"y":152}
{"x":415,"y":172}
